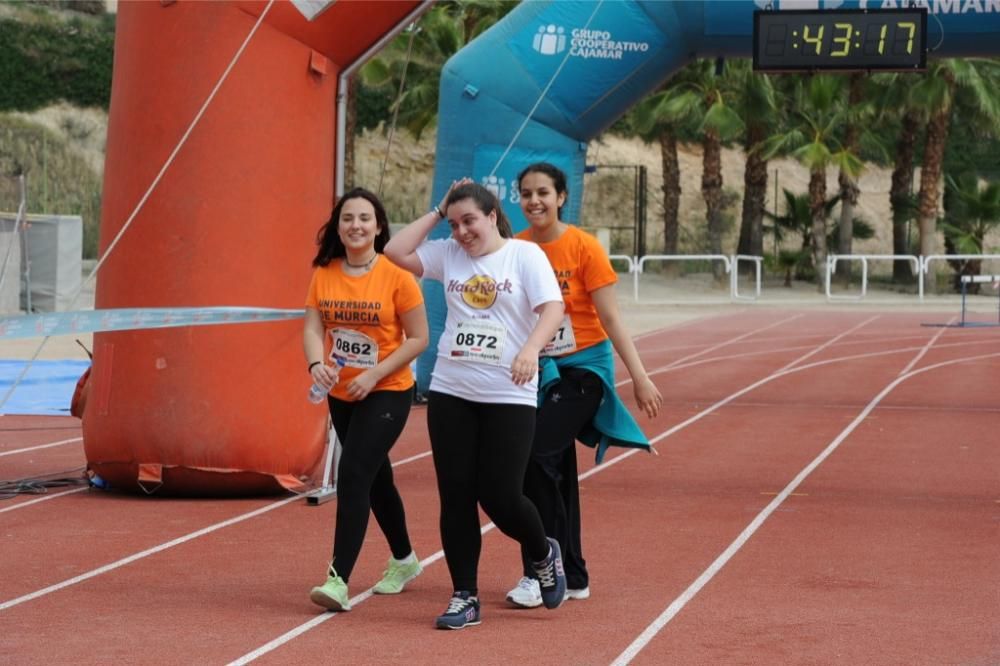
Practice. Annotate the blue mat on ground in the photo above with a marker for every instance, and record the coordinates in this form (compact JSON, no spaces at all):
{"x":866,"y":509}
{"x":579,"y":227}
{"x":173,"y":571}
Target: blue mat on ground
{"x":46,"y":388}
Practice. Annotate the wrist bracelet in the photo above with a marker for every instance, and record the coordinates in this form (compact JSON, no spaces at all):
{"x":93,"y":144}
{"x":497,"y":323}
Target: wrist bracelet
{"x":437,"y":209}
{"x":310,"y":368}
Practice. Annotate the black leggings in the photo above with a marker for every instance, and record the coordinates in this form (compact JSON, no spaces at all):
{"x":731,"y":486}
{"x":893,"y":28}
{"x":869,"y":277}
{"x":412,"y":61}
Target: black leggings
{"x":367,"y":431}
{"x":480,"y":453}
{"x":551,"y":481}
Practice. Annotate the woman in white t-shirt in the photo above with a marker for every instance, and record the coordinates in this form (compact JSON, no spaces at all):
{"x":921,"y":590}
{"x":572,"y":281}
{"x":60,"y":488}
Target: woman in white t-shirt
{"x":504,"y":305}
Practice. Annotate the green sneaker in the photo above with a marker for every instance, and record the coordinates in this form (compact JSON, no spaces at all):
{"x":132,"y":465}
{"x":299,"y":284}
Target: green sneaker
{"x":397,"y":574}
{"x":332,"y":594}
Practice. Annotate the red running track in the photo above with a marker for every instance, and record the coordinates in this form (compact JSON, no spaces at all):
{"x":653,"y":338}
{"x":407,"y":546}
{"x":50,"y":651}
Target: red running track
{"x":827,"y":491}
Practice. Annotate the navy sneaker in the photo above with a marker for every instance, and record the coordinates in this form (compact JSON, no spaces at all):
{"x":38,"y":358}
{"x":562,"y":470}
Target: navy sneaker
{"x":551,"y":576}
{"x":463,"y":611}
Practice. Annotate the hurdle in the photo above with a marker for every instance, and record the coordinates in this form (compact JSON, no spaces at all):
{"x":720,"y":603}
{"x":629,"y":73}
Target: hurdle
{"x":979,"y":279}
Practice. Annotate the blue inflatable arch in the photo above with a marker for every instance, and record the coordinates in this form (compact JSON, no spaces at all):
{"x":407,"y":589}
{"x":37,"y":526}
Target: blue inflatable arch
{"x":555,"y":73}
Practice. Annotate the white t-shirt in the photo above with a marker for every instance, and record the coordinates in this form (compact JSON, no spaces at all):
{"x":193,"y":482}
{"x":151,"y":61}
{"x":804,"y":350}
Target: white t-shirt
{"x":491,"y":312}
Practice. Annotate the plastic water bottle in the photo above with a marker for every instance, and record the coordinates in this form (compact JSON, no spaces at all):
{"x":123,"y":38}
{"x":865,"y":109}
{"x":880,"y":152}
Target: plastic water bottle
{"x":318,"y":392}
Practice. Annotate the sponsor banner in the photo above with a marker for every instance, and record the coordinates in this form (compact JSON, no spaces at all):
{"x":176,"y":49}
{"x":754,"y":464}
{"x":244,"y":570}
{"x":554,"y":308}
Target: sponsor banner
{"x":93,"y":321}
{"x":599,"y":56}
{"x":503,"y":183}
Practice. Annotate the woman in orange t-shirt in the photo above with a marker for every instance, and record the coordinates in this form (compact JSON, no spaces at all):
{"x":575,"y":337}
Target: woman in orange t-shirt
{"x":370,"y":315}
{"x":582,"y":403}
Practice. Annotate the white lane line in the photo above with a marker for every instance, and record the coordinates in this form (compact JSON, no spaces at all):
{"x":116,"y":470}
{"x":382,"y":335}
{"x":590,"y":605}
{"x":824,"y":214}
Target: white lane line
{"x":156,"y":549}
{"x":241,"y":518}
{"x":829,"y":342}
{"x":411,"y":459}
{"x":145,"y":553}
{"x":675,"y":607}
{"x":730,"y":341}
{"x":900,"y":350}
{"x":290,"y":635}
{"x":294,"y":633}
{"x":45,"y":498}
{"x":927,"y":347}
{"x":41,"y":446}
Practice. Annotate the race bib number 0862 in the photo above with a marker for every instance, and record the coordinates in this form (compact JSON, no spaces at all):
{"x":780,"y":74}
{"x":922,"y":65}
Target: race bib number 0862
{"x":354,"y":348}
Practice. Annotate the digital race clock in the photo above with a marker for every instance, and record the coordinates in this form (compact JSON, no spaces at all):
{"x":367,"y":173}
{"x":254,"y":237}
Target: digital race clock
{"x":794,"y":40}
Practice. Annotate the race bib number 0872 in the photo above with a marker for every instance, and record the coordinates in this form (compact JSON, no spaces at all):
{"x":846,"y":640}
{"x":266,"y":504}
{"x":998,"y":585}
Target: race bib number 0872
{"x":478,"y":342}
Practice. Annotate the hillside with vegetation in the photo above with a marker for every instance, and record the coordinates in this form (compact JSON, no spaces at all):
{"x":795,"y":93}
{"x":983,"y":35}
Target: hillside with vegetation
{"x":788,"y":167}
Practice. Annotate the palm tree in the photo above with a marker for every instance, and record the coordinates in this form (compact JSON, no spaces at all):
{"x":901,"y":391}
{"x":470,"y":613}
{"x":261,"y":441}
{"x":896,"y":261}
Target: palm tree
{"x":935,"y":97}
{"x":901,"y":197}
{"x":848,"y":183}
{"x":817,"y":115}
{"x":757,"y":106}
{"x":798,"y":220}
{"x":651,"y":124}
{"x":897,"y":117}
{"x":441,"y":32}
{"x":973,"y":211}
{"x":700,"y":99}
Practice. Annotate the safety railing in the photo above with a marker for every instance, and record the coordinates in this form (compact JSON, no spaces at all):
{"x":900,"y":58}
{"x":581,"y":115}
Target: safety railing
{"x":925,"y":263}
{"x":735,"y":277}
{"x":921,"y":265}
{"x":831,"y":268}
{"x":726,"y":262}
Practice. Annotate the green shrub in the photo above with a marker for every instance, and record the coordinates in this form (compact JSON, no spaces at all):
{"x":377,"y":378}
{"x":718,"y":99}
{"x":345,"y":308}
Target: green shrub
{"x":58,"y":180}
{"x":48,"y":59}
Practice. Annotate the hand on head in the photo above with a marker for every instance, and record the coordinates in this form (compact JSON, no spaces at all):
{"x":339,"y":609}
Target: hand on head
{"x":443,"y":206}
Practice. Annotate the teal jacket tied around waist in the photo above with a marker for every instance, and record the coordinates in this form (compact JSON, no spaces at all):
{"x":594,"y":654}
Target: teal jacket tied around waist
{"x":612,"y":424}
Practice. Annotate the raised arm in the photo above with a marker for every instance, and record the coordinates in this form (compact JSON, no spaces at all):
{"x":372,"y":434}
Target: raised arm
{"x":402,"y":248}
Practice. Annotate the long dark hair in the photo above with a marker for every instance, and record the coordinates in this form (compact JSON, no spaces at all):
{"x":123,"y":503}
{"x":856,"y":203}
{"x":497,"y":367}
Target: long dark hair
{"x":328,"y":238}
{"x":485,"y":201}
{"x":550,"y":170}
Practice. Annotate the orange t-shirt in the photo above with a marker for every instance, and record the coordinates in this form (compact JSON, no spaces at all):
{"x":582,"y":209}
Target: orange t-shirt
{"x":581,"y":266}
{"x":361,"y":316}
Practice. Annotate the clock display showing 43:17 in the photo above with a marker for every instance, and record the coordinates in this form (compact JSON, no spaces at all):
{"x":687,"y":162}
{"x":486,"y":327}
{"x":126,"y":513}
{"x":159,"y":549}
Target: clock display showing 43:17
{"x":848,"y":39}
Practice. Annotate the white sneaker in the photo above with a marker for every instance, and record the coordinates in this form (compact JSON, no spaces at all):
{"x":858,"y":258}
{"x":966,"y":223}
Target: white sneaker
{"x":527,"y":593}
{"x":582,"y":593}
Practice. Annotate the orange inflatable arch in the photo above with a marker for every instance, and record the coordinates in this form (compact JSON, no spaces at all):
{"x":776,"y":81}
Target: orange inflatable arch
{"x":218,"y":410}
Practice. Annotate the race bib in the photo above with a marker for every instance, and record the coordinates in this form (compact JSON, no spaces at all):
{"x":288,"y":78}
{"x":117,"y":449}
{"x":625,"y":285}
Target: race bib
{"x":562,"y":342}
{"x":354,"y":348}
{"x":478,"y":341}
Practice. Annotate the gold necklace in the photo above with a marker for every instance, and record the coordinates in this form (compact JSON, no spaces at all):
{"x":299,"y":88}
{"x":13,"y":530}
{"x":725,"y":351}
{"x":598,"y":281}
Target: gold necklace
{"x":365,"y":265}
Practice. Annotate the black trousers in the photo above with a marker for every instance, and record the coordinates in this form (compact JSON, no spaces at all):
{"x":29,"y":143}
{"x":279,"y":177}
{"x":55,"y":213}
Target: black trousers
{"x":367,"y":430}
{"x":551,"y":480}
{"x":480,"y":453}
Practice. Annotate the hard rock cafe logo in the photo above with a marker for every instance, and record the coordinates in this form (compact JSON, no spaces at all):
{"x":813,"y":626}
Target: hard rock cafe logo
{"x":479,"y":291}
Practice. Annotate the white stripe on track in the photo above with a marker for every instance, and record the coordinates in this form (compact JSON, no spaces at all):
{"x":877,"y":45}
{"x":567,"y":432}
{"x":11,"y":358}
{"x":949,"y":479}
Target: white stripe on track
{"x":145,"y":553}
{"x":730,"y":341}
{"x":290,"y":635}
{"x":21,"y":505}
{"x":926,"y":348}
{"x":675,"y":607}
{"x":156,"y":549}
{"x":436,"y":556}
{"x":829,"y":342}
{"x":41,"y":446}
